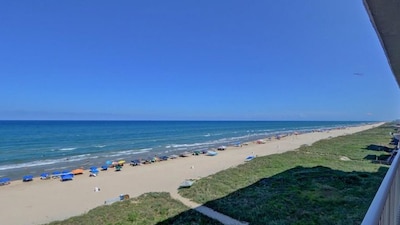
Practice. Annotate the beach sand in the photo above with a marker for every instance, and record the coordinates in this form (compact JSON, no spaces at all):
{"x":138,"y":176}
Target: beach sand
{"x":42,"y":201}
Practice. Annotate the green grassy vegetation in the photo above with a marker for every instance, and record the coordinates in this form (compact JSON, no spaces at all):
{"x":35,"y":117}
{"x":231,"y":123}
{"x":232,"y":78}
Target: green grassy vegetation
{"x":151,"y":208}
{"x":311,"y":185}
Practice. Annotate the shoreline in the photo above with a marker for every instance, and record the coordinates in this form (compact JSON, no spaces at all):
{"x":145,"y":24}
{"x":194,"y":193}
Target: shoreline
{"x":16,"y":174}
{"x":48,"y":200}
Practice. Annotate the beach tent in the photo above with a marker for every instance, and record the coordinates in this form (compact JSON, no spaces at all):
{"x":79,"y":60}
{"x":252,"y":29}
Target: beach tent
{"x":135,"y":162}
{"x":249,"y":158}
{"x":238,"y":144}
{"x":77,"y":171}
{"x":221,"y":148}
{"x":163,"y":158}
{"x":56,"y":174}
{"x":186,"y":184}
{"x":67,"y":172}
{"x":211,"y":153}
{"x":4,"y":181}
{"x":104,"y":167}
{"x":44,"y":176}
{"x":196,"y":152}
{"x":261,"y":141}
{"x":66,"y":177}
{"x":27,"y":178}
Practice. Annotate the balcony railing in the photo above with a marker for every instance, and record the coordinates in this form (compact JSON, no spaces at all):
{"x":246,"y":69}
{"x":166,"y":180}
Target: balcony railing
{"x":384,"y":209}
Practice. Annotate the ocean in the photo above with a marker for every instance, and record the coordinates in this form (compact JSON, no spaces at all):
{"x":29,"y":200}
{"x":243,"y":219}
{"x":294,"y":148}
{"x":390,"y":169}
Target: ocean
{"x":34,"y":147}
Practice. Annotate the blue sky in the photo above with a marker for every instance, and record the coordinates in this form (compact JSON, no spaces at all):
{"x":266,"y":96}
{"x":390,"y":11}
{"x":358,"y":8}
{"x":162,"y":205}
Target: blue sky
{"x":193,"y":60}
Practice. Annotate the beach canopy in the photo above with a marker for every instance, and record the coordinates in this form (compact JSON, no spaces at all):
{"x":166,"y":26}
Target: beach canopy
{"x":56,"y":174}
{"x":104,"y":167}
{"x":66,"y":172}
{"x":66,"y":177}
{"x":261,"y":141}
{"x":238,"y":144}
{"x":135,"y":162}
{"x":44,"y":176}
{"x":4,"y":180}
{"x":212,"y":153}
{"x":77,"y":171}
{"x":222,"y":147}
{"x":27,"y":178}
{"x":249,"y":158}
{"x":164,"y":157}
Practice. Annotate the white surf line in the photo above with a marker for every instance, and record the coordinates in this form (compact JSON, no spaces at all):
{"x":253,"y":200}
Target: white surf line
{"x":224,"y":219}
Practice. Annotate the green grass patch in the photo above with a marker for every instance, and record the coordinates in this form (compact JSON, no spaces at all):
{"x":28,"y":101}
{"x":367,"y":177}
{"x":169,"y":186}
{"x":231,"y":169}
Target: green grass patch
{"x":150,"y":208}
{"x":311,"y":185}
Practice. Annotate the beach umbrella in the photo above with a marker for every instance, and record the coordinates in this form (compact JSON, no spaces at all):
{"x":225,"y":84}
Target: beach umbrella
{"x":93,"y":168}
{"x":108,"y":162}
{"x":121,"y":162}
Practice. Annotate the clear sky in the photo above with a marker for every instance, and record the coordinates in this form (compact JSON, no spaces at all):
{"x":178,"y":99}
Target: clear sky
{"x":193,"y":60}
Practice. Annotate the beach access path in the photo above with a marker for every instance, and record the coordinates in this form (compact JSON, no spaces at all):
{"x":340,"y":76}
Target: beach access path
{"x":42,"y":201}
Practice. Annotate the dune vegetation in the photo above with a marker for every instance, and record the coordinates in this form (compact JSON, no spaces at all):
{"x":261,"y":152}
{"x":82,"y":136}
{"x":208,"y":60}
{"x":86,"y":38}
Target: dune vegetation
{"x":331,"y":182}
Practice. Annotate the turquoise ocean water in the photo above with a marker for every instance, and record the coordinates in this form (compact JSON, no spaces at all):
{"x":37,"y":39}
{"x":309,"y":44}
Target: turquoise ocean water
{"x":33,"y":147}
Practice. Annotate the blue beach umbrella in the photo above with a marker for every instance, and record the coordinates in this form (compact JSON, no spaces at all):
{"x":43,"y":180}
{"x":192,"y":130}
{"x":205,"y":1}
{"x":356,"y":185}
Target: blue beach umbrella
{"x":93,"y":168}
{"x":108,"y":162}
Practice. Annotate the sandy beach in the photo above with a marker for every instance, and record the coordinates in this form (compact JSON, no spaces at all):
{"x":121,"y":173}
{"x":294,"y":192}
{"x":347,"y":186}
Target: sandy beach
{"x":42,"y":201}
